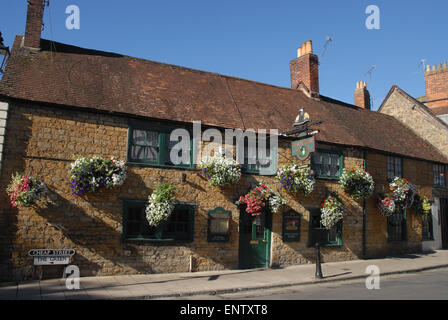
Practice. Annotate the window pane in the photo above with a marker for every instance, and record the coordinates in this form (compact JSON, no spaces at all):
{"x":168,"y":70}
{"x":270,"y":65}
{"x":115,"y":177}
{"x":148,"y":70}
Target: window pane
{"x":144,"y":145}
{"x":326,"y":164}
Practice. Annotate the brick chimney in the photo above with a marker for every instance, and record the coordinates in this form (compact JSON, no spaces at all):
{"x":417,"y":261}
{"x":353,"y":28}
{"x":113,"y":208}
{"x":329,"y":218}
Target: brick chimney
{"x":34,"y":23}
{"x":436,"y":83}
{"x":362,"y":95}
{"x":305,"y":68}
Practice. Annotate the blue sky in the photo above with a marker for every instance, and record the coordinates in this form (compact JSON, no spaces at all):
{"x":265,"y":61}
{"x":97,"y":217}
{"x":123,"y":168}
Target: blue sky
{"x":256,"y":39}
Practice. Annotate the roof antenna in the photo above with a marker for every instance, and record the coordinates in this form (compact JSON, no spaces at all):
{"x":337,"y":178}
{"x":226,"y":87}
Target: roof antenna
{"x":369,"y":72}
{"x":327,"y":42}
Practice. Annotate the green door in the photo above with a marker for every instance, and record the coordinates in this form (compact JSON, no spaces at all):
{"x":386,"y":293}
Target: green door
{"x":255,"y":240}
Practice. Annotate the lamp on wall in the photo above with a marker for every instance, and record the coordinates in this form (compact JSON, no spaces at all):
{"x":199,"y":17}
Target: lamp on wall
{"x":4,"y":51}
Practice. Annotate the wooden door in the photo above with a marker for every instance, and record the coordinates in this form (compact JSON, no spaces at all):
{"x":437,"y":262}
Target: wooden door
{"x":255,"y":240}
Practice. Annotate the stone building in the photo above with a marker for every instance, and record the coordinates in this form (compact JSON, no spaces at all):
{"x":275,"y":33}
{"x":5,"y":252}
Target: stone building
{"x":427,"y":117}
{"x":64,"y":102}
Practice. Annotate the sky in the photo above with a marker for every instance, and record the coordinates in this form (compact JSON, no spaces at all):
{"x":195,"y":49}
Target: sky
{"x":256,"y":40}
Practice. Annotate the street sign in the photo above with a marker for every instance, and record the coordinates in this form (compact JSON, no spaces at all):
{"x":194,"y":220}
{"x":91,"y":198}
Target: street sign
{"x":303,"y":148}
{"x":48,"y":261}
{"x":47,"y":257}
{"x":51,"y":252}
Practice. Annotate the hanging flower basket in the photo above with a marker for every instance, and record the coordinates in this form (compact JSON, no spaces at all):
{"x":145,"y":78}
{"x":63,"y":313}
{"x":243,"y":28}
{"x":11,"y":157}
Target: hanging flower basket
{"x":403,"y":192}
{"x":261,"y":198}
{"x":386,"y":204}
{"x":293,"y":178}
{"x":357,"y":183}
{"x":160,"y":204}
{"x":332,"y":211}
{"x":421,"y":206}
{"x":25,"y":190}
{"x":91,"y":173}
{"x":220,"y":170}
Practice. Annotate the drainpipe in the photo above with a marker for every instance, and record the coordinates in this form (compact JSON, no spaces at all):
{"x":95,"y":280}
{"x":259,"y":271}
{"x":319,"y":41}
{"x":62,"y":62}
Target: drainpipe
{"x":364,"y":214}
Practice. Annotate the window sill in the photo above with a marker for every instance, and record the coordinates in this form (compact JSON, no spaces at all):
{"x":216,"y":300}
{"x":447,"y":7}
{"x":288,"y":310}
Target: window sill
{"x":151,"y":165}
{"x":155,"y":240}
{"x":328,"y":245}
{"x":328,"y":178}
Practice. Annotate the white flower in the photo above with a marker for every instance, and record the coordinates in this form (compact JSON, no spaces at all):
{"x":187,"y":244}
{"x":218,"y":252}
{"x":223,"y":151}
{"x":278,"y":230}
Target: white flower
{"x":220,"y":170}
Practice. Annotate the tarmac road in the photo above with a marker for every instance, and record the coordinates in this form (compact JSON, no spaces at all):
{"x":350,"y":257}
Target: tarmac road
{"x":426,"y":285}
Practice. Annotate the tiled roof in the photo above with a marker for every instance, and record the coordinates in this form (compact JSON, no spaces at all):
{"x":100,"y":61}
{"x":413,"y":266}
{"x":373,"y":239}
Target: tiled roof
{"x":73,"y":76}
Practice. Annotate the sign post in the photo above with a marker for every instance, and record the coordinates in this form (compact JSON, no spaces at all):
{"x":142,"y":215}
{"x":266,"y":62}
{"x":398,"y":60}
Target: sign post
{"x":49,"y":257}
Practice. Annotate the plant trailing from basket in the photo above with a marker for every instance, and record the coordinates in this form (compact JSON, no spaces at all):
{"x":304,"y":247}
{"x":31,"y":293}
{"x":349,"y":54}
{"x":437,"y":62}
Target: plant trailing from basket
{"x":421,"y":205}
{"x":403,"y":192}
{"x":357,"y":183}
{"x":260,"y":198}
{"x":91,"y":173}
{"x":294,"y":178}
{"x":160,"y":204}
{"x":220,"y":170}
{"x":25,"y":190}
{"x":386,"y":204}
{"x":332,"y":211}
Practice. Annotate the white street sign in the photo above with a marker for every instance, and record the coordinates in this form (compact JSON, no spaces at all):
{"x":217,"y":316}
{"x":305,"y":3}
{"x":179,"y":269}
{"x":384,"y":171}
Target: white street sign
{"x":55,"y":260}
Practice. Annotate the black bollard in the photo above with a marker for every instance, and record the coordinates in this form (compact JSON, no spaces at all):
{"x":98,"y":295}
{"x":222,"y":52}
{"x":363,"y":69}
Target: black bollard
{"x":318,"y":267}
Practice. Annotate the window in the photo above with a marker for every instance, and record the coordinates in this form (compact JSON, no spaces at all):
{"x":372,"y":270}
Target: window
{"x":439,"y":175}
{"x":178,"y":227}
{"x":396,"y":225}
{"x":319,"y":234}
{"x":327,"y":164}
{"x":260,"y":165}
{"x":394,"y":167}
{"x":427,"y":231}
{"x":151,"y":145}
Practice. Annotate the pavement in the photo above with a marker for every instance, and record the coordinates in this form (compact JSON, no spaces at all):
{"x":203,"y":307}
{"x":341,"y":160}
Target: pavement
{"x":175,"y":285}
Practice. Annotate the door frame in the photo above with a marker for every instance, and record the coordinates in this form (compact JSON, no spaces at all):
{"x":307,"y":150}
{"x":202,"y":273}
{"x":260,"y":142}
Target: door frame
{"x":242,"y":264}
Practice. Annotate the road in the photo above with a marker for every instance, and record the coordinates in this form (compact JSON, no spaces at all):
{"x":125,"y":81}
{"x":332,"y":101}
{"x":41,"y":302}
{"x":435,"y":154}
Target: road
{"x":425,"y":285}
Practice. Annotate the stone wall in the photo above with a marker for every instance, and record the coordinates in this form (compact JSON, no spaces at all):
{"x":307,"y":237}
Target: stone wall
{"x":46,"y":140}
{"x":417,"y":119}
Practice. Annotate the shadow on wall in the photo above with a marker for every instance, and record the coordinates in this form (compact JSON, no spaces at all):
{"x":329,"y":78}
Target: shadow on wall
{"x":16,"y":142}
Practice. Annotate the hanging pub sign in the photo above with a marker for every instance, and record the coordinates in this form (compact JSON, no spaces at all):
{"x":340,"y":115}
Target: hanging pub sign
{"x":303,"y":147}
{"x":291,"y":226}
{"x":218,"y":225}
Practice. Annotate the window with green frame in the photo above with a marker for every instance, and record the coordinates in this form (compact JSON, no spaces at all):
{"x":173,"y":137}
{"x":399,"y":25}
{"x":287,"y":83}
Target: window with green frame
{"x":319,"y":234}
{"x":148,"y":144}
{"x":396,"y":225}
{"x":178,"y":227}
{"x":427,"y":229}
{"x":255,"y":164}
{"x":327,"y":164}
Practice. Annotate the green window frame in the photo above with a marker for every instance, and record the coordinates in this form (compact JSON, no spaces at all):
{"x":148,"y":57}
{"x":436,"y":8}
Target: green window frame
{"x":439,"y":175}
{"x":427,"y":228}
{"x":327,"y":164}
{"x":394,"y":167}
{"x":396,"y":226}
{"x":259,"y":168}
{"x":178,"y":227}
{"x":154,"y":140}
{"x":319,"y":234}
